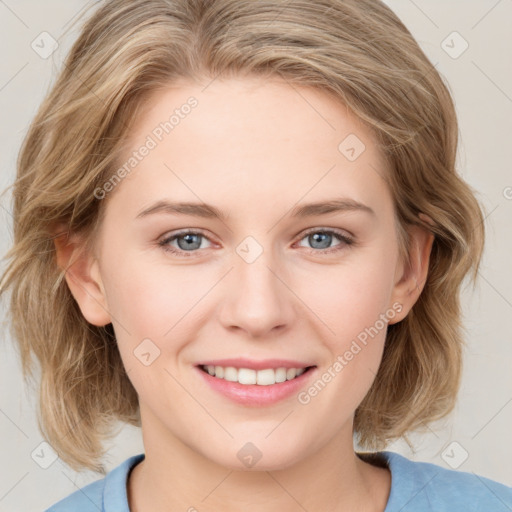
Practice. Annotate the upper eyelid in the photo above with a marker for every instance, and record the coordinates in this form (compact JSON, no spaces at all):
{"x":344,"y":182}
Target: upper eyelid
{"x":337,"y":231}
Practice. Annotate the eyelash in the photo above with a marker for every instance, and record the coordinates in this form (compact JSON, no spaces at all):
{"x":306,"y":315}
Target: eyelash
{"x":345,"y":239}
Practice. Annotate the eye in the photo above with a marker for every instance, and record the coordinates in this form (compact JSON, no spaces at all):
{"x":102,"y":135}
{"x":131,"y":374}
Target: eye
{"x":187,"y":241}
{"x":320,"y":240}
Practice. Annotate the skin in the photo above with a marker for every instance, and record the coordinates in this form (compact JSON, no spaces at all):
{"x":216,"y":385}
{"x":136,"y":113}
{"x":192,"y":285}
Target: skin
{"x":254,"y":149}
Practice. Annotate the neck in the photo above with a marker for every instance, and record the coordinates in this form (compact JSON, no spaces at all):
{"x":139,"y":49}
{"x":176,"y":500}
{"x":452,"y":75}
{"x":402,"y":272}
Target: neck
{"x":173,"y":476}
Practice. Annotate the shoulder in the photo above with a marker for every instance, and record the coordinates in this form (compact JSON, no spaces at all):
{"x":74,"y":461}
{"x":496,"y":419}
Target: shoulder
{"x":104,"y":495}
{"x":422,"y":486}
{"x":86,"y":499}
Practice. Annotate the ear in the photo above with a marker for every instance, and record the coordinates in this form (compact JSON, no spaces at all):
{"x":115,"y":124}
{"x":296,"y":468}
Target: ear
{"x":411,"y":275}
{"x":82,"y":275}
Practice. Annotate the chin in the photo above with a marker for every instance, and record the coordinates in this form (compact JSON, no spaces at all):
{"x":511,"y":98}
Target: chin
{"x":259,"y":456}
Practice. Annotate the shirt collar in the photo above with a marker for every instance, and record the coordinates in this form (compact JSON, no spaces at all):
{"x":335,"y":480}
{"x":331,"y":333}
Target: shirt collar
{"x":115,"y":494}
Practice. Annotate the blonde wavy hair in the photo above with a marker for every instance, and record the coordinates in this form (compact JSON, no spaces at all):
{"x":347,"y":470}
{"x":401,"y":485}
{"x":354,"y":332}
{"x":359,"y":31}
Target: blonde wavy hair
{"x":359,"y":52}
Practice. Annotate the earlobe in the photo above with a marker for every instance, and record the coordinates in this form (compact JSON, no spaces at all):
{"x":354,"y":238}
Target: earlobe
{"x":414,"y":272}
{"x":82,"y":276}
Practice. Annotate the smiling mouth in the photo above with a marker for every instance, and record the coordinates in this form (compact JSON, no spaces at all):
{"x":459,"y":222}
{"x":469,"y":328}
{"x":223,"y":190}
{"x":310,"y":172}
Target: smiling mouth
{"x":247,"y":376}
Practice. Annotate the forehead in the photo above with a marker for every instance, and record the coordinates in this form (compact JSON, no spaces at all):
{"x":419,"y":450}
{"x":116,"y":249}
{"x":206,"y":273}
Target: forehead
{"x":241,"y":137}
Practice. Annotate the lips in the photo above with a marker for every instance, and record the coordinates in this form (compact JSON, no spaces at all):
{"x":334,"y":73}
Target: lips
{"x":255,"y":383}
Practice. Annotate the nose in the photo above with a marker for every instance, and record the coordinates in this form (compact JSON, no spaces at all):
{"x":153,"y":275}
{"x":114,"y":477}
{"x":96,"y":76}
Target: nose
{"x":257,"y":299}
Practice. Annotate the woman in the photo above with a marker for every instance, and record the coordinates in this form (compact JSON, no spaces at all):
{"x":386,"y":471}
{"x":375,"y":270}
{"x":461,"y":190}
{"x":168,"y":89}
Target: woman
{"x":250,"y":243}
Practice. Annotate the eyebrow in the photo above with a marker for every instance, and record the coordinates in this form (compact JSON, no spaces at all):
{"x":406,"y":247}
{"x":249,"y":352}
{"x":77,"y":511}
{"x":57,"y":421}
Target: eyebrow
{"x":208,"y":211}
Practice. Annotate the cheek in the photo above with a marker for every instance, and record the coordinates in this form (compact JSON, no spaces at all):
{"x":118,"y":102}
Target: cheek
{"x":349,"y":297}
{"x":150,"y":297}
{"x":153,"y":316}
{"x":356,"y":310}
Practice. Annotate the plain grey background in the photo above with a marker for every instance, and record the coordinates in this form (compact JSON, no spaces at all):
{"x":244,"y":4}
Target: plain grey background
{"x":470,"y":43}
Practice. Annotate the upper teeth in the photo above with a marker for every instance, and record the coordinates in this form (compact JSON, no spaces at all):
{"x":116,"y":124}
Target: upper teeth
{"x":247,"y":376}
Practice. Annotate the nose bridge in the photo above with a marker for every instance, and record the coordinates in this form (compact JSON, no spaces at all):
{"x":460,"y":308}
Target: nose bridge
{"x":257,"y":301}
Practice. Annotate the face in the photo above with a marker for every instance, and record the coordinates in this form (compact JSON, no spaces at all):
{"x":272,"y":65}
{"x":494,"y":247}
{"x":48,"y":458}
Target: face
{"x":256,"y":283}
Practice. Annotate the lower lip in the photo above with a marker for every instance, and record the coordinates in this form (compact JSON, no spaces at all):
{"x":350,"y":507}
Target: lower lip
{"x":253,"y":394}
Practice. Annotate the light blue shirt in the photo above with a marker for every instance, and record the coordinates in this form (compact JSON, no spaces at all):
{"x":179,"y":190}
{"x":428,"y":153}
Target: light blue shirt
{"x":415,"y":487}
